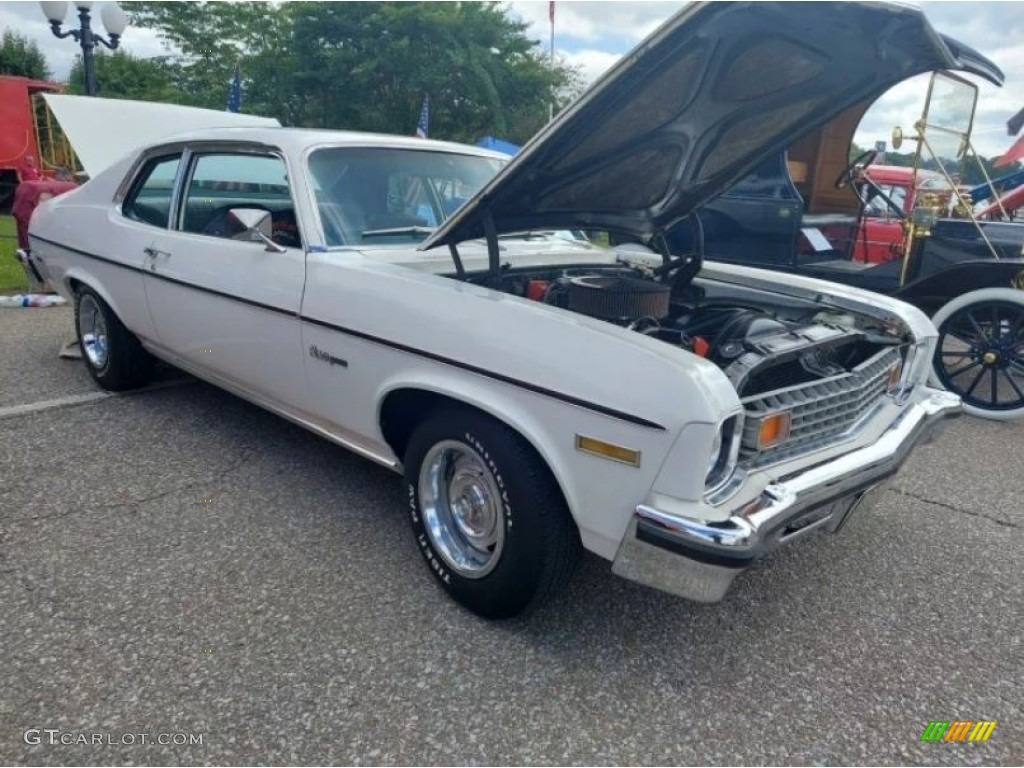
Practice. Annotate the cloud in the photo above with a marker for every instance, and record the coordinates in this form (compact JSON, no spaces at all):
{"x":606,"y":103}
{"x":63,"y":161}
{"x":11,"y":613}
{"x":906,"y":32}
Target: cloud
{"x":591,"y":63}
{"x":618,"y":26}
{"x":996,"y":30}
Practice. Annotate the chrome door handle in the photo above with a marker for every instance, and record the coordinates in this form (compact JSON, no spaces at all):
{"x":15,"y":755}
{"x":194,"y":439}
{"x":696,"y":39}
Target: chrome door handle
{"x":152,"y":254}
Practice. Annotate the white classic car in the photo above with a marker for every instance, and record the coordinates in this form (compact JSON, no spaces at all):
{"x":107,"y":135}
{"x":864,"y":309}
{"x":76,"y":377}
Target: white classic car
{"x":680,"y":419}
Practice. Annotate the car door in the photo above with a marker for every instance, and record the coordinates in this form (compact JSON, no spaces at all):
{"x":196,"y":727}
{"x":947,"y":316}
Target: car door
{"x":223,"y":304}
{"x":143,"y":214}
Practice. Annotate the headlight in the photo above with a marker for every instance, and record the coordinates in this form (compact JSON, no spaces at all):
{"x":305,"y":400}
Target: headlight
{"x":725,"y":451}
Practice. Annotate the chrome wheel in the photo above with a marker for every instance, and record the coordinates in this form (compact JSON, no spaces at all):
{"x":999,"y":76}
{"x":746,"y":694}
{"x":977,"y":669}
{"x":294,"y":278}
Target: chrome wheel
{"x":92,"y":329}
{"x":462,"y":508}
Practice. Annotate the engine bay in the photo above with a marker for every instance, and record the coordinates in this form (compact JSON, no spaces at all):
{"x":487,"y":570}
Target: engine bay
{"x":761,"y":346}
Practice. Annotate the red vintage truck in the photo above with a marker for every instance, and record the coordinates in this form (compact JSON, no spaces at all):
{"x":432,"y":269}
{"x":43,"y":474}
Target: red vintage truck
{"x":880,"y":234}
{"x":31,"y":142}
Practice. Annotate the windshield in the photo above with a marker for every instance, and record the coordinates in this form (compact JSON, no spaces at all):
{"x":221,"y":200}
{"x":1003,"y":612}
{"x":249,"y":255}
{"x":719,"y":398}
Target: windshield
{"x":949,"y":113}
{"x":384,"y":195}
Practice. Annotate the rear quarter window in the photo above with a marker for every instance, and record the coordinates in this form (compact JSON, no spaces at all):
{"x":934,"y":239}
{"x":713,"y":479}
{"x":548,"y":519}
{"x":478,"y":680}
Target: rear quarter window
{"x":149,"y":200}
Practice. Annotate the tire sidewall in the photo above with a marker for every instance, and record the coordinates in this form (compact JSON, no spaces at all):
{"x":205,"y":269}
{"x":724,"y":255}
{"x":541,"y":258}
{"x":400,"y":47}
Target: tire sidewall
{"x":514,"y":578}
{"x":982,"y":296}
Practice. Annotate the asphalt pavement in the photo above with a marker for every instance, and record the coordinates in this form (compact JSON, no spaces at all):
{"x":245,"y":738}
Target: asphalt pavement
{"x":182,"y":565}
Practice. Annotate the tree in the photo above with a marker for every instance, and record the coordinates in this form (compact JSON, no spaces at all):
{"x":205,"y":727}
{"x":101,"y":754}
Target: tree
{"x":972,"y":174}
{"x":213,"y":38}
{"x":22,"y":57}
{"x":366,"y":66}
{"x":120,"y":75}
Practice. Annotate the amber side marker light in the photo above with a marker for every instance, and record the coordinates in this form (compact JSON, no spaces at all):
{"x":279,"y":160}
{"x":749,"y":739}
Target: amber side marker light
{"x":774,"y":429}
{"x":608,"y":450}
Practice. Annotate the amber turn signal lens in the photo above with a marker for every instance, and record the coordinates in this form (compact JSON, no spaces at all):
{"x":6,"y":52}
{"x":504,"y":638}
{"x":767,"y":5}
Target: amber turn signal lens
{"x":774,"y":429}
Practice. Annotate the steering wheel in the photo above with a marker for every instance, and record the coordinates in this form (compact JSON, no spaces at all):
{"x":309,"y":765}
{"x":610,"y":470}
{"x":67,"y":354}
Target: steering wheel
{"x":859,"y":163}
{"x":853,"y":174}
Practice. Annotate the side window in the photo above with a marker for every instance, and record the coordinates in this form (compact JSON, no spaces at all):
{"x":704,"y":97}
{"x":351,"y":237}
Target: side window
{"x":878,"y":208}
{"x":150,"y":198}
{"x":221,"y":182}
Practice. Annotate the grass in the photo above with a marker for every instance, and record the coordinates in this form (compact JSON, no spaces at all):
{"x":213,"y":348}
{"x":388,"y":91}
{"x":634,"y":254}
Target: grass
{"x":12,"y":276}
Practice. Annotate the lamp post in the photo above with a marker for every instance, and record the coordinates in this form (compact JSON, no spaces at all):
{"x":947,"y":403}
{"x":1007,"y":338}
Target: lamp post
{"x":113,"y":19}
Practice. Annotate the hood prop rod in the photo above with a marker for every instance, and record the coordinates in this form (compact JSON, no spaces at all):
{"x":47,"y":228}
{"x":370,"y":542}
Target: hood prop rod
{"x":661,"y":245}
{"x":493,"y":250}
{"x":459,"y":269}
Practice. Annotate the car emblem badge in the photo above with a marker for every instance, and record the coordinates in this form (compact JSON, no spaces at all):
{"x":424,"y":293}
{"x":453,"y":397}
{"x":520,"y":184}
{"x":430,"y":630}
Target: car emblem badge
{"x":326,"y":357}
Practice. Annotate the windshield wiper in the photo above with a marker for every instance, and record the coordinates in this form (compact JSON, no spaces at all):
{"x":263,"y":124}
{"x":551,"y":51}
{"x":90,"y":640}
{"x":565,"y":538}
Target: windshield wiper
{"x":399,"y":231}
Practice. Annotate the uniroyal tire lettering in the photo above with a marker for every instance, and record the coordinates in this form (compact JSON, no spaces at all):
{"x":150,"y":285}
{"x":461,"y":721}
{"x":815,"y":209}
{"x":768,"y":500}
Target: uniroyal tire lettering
{"x":428,"y":553}
{"x":497,"y":475}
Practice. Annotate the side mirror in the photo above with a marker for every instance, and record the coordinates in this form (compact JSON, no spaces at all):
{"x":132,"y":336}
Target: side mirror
{"x":897,"y":137}
{"x":258,"y":227}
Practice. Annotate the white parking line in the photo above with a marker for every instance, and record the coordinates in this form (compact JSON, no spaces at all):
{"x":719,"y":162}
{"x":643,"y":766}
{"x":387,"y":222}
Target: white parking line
{"x":91,"y":397}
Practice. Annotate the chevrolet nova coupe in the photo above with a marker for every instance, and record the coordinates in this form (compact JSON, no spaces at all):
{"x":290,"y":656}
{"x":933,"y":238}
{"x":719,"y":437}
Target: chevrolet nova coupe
{"x":405,"y":298}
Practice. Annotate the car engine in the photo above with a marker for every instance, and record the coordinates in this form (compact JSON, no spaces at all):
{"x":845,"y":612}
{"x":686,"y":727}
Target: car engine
{"x":760,"y":348}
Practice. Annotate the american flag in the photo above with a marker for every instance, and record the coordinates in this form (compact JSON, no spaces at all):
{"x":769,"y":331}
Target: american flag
{"x":235,"y":92}
{"x":421,"y":126}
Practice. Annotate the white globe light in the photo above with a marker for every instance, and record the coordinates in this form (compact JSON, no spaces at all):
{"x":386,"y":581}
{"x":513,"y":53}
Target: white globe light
{"x":113,"y":18}
{"x":55,"y":10}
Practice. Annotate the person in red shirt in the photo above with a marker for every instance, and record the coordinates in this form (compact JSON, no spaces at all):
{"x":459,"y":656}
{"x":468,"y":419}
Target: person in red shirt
{"x":29,"y":171}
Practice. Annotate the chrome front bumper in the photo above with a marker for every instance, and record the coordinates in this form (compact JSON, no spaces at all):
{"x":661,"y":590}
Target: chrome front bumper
{"x":698,"y":560}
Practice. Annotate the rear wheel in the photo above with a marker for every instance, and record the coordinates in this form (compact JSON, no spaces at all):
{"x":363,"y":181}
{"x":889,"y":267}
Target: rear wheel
{"x":487,"y":514}
{"x":980,"y":352}
{"x":112,"y":354}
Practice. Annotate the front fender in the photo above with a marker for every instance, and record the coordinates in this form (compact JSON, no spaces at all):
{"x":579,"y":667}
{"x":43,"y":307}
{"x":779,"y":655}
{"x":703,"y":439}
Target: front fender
{"x":932,"y":291}
{"x":600,"y":493}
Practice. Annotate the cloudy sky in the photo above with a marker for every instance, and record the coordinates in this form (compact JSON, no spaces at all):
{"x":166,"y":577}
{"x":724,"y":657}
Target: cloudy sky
{"x":593,"y":35}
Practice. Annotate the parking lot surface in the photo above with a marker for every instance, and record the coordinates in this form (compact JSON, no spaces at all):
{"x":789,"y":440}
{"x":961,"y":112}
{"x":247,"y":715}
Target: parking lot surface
{"x":178,"y":561}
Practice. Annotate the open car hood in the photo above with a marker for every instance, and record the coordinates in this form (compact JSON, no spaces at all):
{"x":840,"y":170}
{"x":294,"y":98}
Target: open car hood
{"x":102,"y":131}
{"x":697,"y":105}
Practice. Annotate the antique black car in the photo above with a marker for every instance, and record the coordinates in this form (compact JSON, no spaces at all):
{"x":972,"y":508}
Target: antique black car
{"x":806,"y":210}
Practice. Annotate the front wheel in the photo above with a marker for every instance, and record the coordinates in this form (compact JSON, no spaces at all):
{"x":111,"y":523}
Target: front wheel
{"x":487,"y":514}
{"x":980,"y":352}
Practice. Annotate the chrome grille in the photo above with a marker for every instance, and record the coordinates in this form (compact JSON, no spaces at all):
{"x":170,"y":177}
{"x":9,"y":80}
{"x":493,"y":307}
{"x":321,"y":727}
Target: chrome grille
{"x":821,"y":411}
